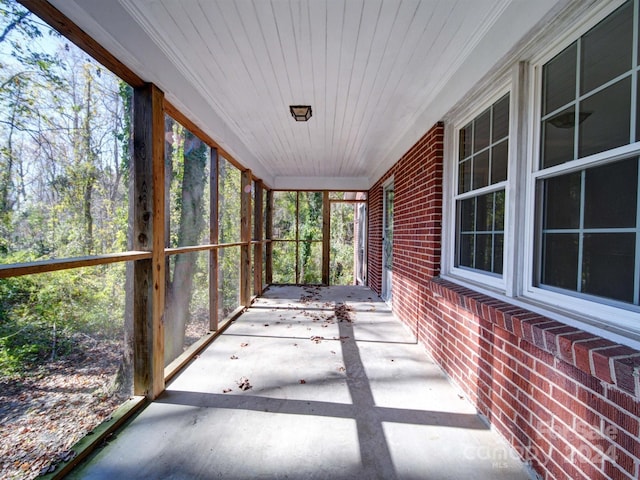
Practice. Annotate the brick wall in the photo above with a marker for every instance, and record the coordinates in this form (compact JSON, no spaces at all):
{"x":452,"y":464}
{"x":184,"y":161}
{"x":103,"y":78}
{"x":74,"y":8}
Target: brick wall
{"x":566,"y":400}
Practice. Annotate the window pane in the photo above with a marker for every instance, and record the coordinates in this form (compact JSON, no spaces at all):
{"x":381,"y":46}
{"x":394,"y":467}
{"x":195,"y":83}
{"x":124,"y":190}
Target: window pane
{"x":465,"y":142}
{"x":498,"y":248}
{"x":484,"y":213}
{"x":484,"y":252}
{"x":611,"y":195}
{"x":638,"y":109}
{"x":465,"y":253}
{"x":481,"y":131}
{"x":562,"y":201}
{"x":559,"y":80}
{"x":464,"y":176}
{"x":499,"y":161}
{"x":477,"y":249}
{"x":467,"y":215}
{"x":499,"y":211}
{"x":560,"y":260}
{"x":558,"y":138}
{"x":606,"y":49}
{"x":608,"y":264}
{"x":481,"y":170}
{"x":607,"y":116}
{"x":500,"y":119}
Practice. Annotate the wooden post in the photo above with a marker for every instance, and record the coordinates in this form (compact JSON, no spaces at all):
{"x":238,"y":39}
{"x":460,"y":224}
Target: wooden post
{"x":258,"y":234}
{"x":213,"y":239}
{"x":148,"y":235}
{"x":298,"y":237}
{"x":268,"y":233}
{"x":245,"y":238}
{"x":326,"y":236}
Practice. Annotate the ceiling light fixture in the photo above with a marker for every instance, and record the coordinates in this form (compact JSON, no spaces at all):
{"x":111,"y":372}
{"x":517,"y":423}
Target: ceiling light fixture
{"x":301,"y":113}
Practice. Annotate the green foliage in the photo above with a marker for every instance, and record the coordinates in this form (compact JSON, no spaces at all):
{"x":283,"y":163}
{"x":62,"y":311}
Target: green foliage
{"x":229,"y":220}
{"x":229,"y":193}
{"x":41,"y":316}
{"x":64,"y":143}
{"x":342,"y":244}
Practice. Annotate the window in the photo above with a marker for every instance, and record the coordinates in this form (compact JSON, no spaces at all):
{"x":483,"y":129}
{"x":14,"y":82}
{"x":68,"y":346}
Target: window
{"x":483,"y":146}
{"x":586,"y":181}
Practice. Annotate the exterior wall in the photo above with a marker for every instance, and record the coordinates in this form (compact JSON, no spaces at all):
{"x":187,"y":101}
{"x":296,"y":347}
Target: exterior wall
{"x":566,"y":400}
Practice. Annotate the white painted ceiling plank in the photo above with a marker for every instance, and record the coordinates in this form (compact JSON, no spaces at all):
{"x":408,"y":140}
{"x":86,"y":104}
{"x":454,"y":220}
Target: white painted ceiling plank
{"x":259,"y":114}
{"x":375,"y":69}
{"x":377,"y":73}
{"x":393,"y":51}
{"x":361,"y":65}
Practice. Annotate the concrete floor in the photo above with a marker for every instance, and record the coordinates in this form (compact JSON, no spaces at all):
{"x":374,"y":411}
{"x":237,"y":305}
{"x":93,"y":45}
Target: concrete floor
{"x":329,"y":399}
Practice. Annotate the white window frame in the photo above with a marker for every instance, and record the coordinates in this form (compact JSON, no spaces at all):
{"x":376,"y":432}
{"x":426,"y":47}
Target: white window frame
{"x":614,"y":320}
{"x":600,"y":313}
{"x":487,"y":279}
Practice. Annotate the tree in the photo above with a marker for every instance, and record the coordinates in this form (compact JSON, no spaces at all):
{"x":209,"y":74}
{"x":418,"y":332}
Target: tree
{"x":189,"y":154}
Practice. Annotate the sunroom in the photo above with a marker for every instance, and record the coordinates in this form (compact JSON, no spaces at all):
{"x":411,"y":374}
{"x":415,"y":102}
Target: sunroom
{"x":186,"y":185}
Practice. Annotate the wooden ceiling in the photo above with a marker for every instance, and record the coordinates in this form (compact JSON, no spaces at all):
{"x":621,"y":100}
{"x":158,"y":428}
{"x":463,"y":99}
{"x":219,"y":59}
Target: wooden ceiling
{"x":377,"y":73}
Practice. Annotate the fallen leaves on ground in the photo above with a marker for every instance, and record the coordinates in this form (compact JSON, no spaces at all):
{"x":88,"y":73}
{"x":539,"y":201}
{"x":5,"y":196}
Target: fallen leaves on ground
{"x":316,"y":339}
{"x":343,"y":313}
{"x":244,"y":384}
{"x":43,"y":415}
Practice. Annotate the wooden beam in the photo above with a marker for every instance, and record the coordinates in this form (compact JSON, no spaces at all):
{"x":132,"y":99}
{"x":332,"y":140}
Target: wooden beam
{"x":326,"y":236}
{"x":268,"y":233}
{"x":258,"y":234}
{"x":28,"y":268}
{"x":148,"y":234}
{"x":213,"y":238}
{"x":187,"y":123}
{"x":63,"y":25}
{"x":245,"y":238}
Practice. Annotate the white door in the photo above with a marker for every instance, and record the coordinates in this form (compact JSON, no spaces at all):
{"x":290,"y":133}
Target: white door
{"x":387,"y":242}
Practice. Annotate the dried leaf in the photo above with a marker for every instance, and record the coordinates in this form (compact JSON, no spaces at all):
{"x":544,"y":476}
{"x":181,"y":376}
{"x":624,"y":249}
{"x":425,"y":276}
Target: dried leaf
{"x":226,"y":390}
{"x":233,"y":357}
{"x":244,"y":384}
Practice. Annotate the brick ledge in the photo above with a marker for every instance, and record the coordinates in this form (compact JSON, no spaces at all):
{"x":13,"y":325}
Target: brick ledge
{"x":605,"y":360}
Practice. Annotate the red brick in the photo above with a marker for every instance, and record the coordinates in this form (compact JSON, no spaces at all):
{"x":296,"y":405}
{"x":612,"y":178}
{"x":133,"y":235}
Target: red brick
{"x":523,"y":371}
{"x":626,"y":372}
{"x":601,"y":360}
{"x":582,"y":351}
{"x":565,"y":344}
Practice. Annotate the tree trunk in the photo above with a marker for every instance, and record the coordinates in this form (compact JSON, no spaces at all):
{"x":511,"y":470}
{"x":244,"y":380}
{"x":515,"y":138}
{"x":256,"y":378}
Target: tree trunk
{"x":190,"y":229}
{"x":89,"y":170}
